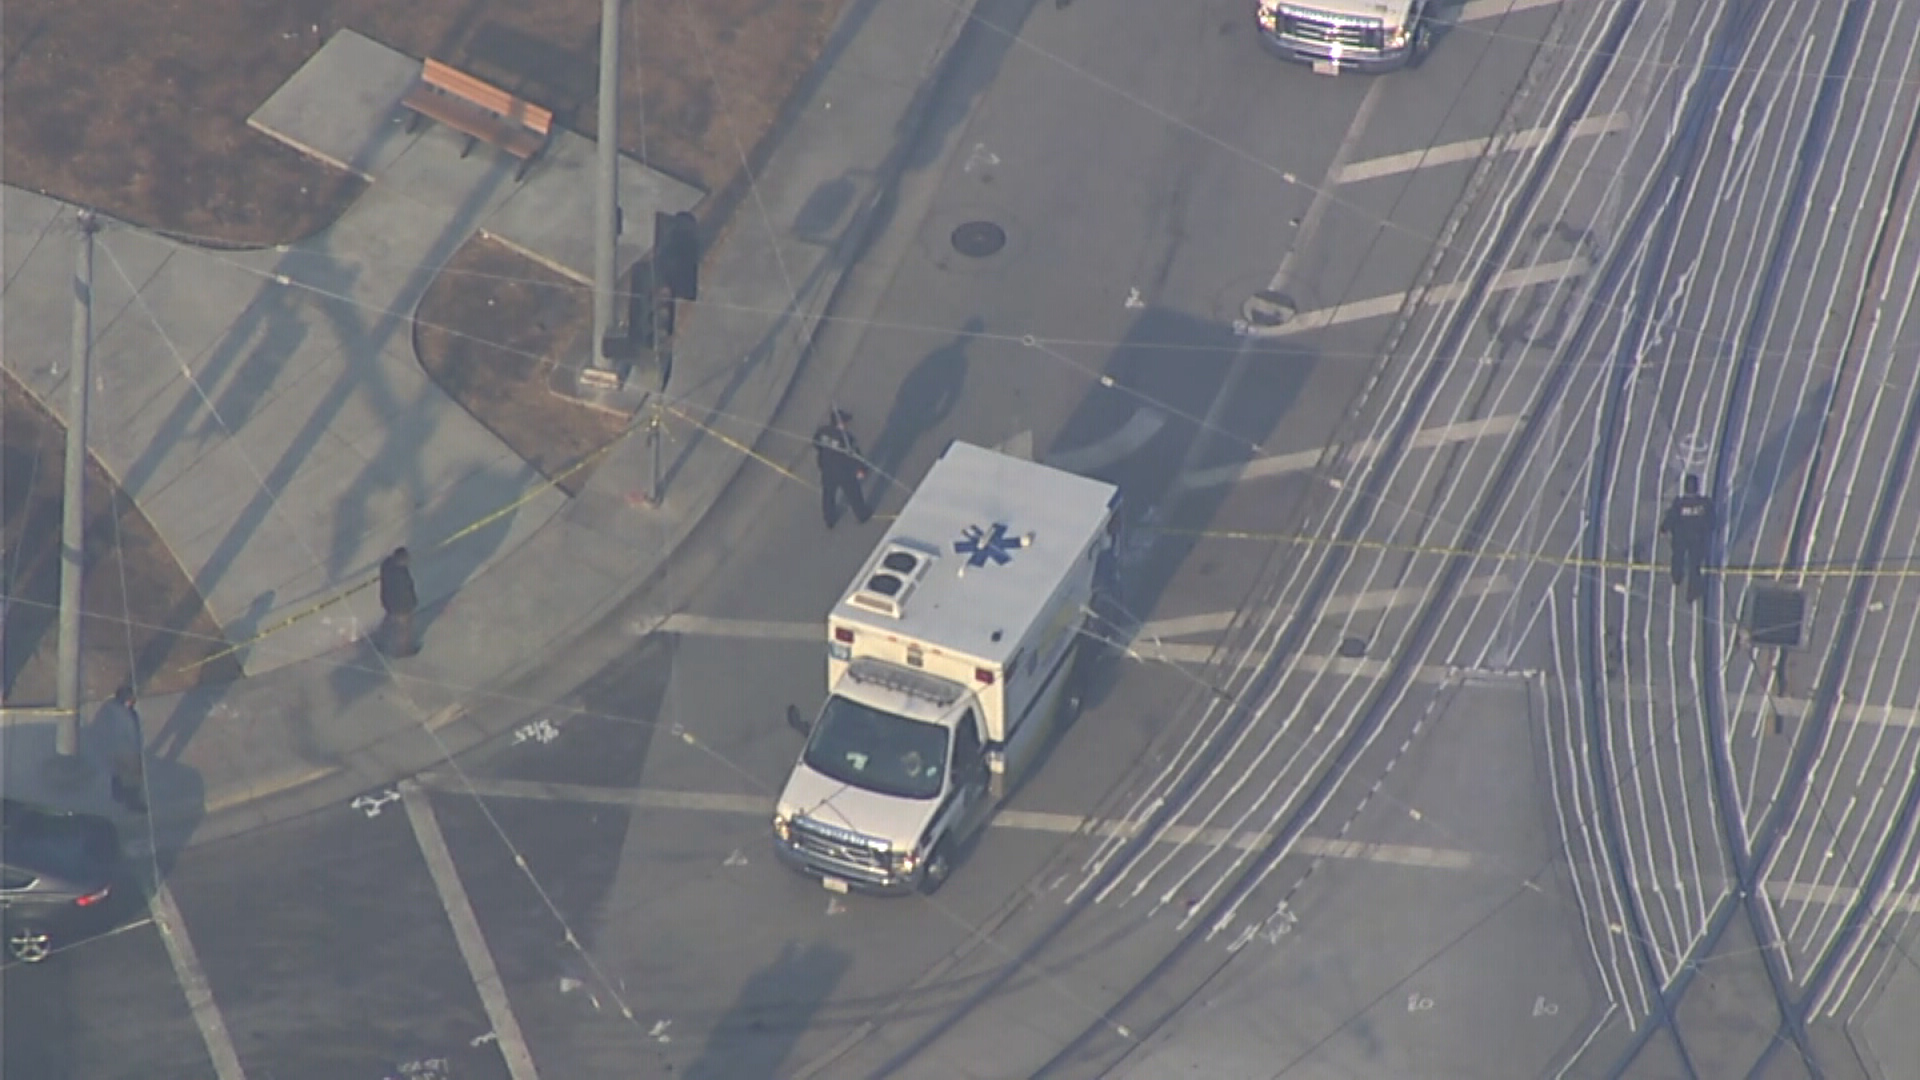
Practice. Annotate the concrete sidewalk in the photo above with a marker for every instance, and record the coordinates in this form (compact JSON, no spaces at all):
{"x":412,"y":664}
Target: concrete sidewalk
{"x":265,"y":409}
{"x":308,"y":730}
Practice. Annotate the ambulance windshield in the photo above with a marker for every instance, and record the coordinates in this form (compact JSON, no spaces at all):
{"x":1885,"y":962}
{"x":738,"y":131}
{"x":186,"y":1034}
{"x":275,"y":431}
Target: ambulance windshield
{"x":879,"y":751}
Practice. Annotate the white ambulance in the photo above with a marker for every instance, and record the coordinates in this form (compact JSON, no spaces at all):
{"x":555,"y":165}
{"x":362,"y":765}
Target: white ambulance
{"x":951,"y":659}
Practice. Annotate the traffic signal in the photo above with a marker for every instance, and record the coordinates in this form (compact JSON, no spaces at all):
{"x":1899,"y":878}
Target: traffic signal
{"x":640,"y":304}
{"x":663,"y":316}
{"x":676,"y":253}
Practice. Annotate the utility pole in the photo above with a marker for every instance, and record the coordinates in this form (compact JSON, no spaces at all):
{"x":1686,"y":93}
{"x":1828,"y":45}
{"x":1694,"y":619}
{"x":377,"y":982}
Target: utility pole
{"x":606,"y":208}
{"x":73,"y":518}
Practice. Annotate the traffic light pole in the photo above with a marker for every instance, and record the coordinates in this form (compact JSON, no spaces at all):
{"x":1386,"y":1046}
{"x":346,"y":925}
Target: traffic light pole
{"x":663,"y":315}
{"x":674,"y":276}
{"x":606,"y":196}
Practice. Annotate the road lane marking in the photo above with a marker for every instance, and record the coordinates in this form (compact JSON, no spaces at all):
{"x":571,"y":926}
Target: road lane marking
{"x":1213,"y":622}
{"x":1178,"y":626}
{"x":1323,"y":195}
{"x":753,"y":629}
{"x":1472,"y":149}
{"x":193,"y":983}
{"x":266,"y":787}
{"x":1480,"y":10}
{"x":1377,"y":307}
{"x":1018,"y":445}
{"x":467,"y":934}
{"x":1140,"y":648}
{"x":749,"y":629}
{"x":1059,"y":824}
{"x":1794,"y":710}
{"x":711,"y":802}
{"x":1244,"y":840}
{"x":1301,"y":663}
{"x":1431,"y":438}
{"x":1303,"y":235}
{"x":1016,"y":820}
{"x":1839,"y":896}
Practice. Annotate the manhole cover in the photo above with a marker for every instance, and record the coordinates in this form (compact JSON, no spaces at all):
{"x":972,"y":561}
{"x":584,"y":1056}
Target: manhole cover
{"x":979,"y":239}
{"x":1353,"y":648}
{"x":1268,"y":308}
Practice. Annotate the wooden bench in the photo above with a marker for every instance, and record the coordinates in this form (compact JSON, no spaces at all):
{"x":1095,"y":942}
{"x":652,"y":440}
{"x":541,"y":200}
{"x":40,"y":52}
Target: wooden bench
{"x":481,"y":111}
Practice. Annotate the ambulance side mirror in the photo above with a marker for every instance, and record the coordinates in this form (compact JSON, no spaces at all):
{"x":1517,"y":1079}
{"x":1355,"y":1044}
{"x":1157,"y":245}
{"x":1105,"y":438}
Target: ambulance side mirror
{"x":798,"y":722}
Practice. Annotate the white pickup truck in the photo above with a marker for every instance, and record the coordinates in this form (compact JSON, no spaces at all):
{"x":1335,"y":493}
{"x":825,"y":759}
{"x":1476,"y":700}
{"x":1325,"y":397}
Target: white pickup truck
{"x":950,"y":660}
{"x":1343,"y":35}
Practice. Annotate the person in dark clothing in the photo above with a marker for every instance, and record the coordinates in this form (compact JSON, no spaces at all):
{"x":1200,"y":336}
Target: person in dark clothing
{"x":842,"y":468}
{"x":398,"y":601}
{"x":1688,"y":526}
{"x":119,"y":724}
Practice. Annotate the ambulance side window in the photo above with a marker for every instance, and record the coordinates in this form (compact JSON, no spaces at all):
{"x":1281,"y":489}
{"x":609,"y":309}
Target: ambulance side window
{"x":969,"y":757}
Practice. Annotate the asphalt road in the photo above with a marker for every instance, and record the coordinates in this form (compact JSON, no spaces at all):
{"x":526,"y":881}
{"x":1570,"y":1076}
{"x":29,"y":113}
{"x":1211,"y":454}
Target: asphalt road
{"x":109,"y":1008}
{"x":1408,"y":789}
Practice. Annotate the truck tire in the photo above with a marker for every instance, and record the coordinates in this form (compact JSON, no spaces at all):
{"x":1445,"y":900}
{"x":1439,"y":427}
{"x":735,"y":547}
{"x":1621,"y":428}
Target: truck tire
{"x":1422,"y":41}
{"x":939,"y":867}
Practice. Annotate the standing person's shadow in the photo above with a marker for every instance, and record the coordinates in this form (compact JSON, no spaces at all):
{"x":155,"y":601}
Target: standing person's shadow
{"x":926,"y":397}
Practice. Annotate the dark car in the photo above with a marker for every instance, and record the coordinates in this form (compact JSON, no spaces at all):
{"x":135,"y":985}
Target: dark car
{"x":57,"y":869}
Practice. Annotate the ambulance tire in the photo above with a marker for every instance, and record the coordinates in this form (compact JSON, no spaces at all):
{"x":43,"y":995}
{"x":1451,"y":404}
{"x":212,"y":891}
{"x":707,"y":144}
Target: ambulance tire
{"x":1090,"y":660}
{"x":939,"y":867}
{"x":1422,"y":41}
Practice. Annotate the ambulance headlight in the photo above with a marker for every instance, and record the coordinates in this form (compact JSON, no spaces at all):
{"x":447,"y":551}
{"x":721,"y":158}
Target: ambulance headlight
{"x":783,"y":824}
{"x":1267,"y":14}
{"x":1398,"y":36}
{"x":903,"y":862}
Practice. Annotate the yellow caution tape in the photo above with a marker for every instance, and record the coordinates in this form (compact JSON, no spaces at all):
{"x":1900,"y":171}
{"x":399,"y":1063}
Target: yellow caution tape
{"x":529,"y":495}
{"x":1572,"y":561}
{"x":1576,"y":562}
{"x":736,"y":444}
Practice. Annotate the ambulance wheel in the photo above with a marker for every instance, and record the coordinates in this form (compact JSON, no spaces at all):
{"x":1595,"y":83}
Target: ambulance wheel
{"x":1422,"y":42}
{"x":939,"y":865}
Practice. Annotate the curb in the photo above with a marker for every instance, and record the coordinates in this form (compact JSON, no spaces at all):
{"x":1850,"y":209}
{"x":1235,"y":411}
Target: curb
{"x":459,"y":728}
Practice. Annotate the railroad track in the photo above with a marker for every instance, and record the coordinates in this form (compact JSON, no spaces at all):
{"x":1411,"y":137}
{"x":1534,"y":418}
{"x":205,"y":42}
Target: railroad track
{"x":1111,"y":1036}
{"x":1183,"y":970}
{"x":1886,"y":861}
{"x":1751,"y":853}
{"x":1799,"y":1013}
{"x":1661,"y":218}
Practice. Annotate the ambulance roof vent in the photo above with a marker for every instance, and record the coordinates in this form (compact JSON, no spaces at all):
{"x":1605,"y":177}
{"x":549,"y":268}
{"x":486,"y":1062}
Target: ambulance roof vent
{"x":895,"y":573}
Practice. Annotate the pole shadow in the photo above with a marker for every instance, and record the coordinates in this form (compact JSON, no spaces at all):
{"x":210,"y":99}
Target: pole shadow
{"x":393,"y":463}
{"x":600,"y":735}
{"x":1788,"y":447}
{"x":1173,"y":365}
{"x":942,"y":103}
{"x":775,"y":1008}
